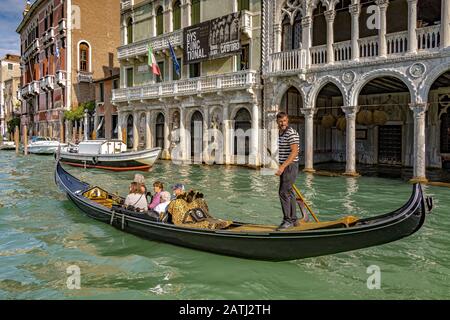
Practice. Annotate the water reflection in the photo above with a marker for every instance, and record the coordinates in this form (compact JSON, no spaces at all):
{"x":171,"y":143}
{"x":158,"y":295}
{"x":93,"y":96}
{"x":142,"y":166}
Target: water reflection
{"x":349,"y":203}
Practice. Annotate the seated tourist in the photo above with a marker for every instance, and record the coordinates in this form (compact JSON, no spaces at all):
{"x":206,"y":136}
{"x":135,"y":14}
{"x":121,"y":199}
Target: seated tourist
{"x":165,"y":200}
{"x":178,"y":189}
{"x":158,"y":187}
{"x":139,"y":178}
{"x":136,"y":198}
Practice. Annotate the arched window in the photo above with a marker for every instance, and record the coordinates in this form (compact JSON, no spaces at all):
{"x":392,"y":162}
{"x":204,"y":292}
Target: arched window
{"x":292,"y":33}
{"x":195,"y":12}
{"x":242,"y":121}
{"x":160,"y":131}
{"x":176,"y":15}
{"x":159,"y":21}
{"x":130,"y":31}
{"x":196,"y":134}
{"x":84,"y":57}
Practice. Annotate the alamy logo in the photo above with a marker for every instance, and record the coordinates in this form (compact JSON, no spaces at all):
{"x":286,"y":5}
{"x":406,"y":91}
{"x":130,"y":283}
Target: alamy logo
{"x":74,"y":280}
{"x":76,"y":17}
{"x":373,"y":21}
{"x":374,"y":280}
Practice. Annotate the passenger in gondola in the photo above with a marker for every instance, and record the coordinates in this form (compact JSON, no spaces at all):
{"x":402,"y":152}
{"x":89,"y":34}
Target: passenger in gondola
{"x":165,"y":200}
{"x":136,"y":200}
{"x":158,"y":187}
{"x":178,"y":190}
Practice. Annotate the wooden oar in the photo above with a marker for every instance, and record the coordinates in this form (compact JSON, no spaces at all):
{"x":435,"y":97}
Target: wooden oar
{"x":304,"y":202}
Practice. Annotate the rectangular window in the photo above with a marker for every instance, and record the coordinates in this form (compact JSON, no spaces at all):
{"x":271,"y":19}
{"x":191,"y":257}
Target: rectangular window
{"x":244,"y":58}
{"x":243,"y":5}
{"x":83,"y":60}
{"x":194,"y":70}
{"x":176,"y":18}
{"x":116,"y":84}
{"x":10,"y":66}
{"x":195,"y":12}
{"x":161,"y":68}
{"x":175,"y":76}
{"x":101,"y":92}
{"x":129,"y":78}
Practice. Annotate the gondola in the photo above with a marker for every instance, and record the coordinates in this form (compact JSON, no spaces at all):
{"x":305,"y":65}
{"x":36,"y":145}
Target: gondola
{"x":259,"y":242}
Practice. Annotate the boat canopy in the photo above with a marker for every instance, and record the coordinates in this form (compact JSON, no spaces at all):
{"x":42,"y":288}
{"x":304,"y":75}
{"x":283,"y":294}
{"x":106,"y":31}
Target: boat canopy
{"x":102,"y":147}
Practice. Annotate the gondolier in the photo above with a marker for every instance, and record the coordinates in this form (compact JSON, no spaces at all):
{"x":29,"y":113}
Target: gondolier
{"x":288,"y":149}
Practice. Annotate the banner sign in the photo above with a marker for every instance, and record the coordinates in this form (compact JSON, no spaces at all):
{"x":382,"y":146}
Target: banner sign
{"x":212,"y":39}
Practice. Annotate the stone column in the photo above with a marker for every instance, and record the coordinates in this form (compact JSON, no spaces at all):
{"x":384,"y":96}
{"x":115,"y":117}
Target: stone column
{"x":182,"y":135}
{"x":382,"y":4}
{"x":445,"y":24}
{"x":278,"y":41}
{"x":306,"y":36}
{"x":329,"y":16}
{"x":226,"y":135}
{"x":168,"y":20}
{"x":309,"y":139}
{"x":135,"y":131}
{"x":412,"y":26}
{"x":350,"y":117}
{"x":419,"y":171}
{"x":119,"y":125}
{"x":205,"y":134}
{"x":186,"y":14}
{"x":355,"y":11}
{"x":166,"y":153}
{"x":153,"y":23}
{"x":254,"y":140}
{"x":148,"y":131}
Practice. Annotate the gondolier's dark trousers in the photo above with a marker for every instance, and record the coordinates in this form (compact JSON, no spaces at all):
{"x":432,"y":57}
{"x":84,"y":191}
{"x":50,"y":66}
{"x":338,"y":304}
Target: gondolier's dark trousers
{"x":286,"y":193}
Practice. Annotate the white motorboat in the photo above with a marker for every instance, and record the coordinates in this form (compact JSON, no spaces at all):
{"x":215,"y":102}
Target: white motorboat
{"x":108,"y":155}
{"x":44,"y":145}
{"x":7,"y":145}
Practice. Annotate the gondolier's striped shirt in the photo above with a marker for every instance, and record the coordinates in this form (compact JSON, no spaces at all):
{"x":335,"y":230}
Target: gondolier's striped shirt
{"x":285,"y":140}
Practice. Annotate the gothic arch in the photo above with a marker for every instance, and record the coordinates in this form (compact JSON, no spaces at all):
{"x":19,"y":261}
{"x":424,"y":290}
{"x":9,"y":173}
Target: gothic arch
{"x":427,"y":83}
{"x":366,"y":78}
{"x":282,"y":88}
{"x":320,"y":84}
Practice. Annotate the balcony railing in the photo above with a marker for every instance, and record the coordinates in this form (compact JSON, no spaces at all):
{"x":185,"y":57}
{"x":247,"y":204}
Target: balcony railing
{"x":84,"y":76}
{"x":61,"y":78}
{"x":213,"y":83}
{"x":158,"y":43}
{"x":34,"y":88}
{"x":62,"y":26}
{"x":50,"y":82}
{"x":49,"y":36}
{"x":286,"y":61}
{"x":397,"y":43}
{"x":429,"y":38}
{"x":319,"y":54}
{"x":342,"y":51}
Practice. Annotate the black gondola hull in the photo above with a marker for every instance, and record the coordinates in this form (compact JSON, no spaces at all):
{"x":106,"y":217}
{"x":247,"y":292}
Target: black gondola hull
{"x":274,"y":246}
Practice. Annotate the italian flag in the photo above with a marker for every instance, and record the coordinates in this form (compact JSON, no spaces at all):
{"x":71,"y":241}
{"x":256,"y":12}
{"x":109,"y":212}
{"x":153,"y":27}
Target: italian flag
{"x":152,"y":62}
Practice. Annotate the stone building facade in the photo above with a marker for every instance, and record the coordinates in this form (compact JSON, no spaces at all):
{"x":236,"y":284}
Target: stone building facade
{"x":389,"y":57}
{"x":223,"y":93}
{"x":9,"y":83}
{"x":65,"y":46}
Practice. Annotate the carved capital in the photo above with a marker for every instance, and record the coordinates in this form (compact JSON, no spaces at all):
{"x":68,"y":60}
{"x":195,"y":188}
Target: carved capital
{"x":419,"y":109}
{"x":306,"y":22}
{"x":355,"y":9}
{"x":330,"y":15}
{"x":383,"y":4}
{"x":308,"y":112}
{"x":350,"y":111}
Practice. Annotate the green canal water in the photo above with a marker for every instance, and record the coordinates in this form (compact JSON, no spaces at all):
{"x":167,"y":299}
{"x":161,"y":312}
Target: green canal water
{"x":42,"y":233}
